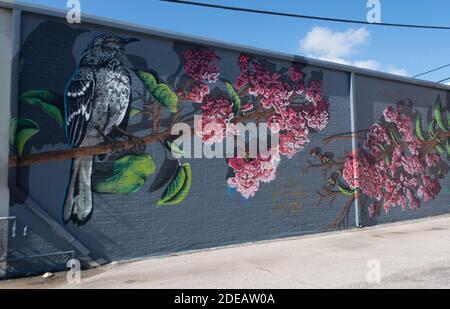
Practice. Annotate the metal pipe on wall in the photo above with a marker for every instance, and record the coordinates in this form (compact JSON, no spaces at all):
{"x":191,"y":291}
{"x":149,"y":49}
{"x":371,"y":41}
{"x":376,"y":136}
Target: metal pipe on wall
{"x":354,"y":138}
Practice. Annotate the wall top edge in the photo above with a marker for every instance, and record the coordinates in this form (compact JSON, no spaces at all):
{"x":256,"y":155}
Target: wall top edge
{"x":52,"y":12}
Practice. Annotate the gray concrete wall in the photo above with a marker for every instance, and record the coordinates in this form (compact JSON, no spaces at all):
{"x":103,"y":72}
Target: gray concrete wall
{"x":5,"y":115}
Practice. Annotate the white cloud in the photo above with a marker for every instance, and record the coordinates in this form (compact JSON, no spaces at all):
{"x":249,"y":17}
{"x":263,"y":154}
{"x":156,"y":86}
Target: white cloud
{"x":334,"y":46}
{"x":393,"y":70}
{"x":367,"y":64}
{"x":326,"y":43}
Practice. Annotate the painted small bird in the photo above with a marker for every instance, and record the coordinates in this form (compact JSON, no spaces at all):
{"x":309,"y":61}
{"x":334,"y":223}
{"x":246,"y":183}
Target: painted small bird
{"x":325,"y":159}
{"x":97,"y":103}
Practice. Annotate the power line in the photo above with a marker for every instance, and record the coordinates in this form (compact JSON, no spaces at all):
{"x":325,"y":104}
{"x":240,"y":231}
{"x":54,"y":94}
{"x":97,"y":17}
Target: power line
{"x":444,"y":80}
{"x":433,"y":70}
{"x":233,"y":8}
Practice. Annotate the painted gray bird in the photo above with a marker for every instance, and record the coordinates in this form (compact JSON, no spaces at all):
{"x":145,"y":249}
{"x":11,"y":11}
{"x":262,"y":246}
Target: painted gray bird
{"x":97,"y":102}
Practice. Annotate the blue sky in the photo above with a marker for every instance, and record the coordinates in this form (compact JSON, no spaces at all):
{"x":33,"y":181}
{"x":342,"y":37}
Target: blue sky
{"x":396,"y":50}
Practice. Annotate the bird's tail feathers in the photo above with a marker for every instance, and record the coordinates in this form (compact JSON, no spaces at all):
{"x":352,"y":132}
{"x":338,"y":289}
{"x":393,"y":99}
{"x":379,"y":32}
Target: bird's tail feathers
{"x":78,"y":204}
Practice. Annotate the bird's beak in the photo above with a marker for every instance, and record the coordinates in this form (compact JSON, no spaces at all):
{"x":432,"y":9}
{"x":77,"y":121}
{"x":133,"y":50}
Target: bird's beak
{"x":126,"y":41}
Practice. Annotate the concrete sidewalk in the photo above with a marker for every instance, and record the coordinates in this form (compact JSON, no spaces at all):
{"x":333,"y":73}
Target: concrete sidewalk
{"x":411,"y":255}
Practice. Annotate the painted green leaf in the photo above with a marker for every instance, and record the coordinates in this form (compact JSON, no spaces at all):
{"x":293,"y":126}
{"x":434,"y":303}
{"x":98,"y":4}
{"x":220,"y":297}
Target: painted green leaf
{"x":165,"y":96}
{"x":46,"y":100}
{"x":388,"y":159}
{"x":13,"y":124}
{"x":21,"y":130}
{"x":345,"y":190}
{"x":440,"y":149}
{"x":165,"y":174}
{"x":235,"y":98}
{"x":184,"y":192}
{"x":179,"y":188}
{"x":23,"y":137}
{"x":174,"y":186}
{"x":148,"y":79}
{"x":160,"y":91}
{"x":174,"y":148}
{"x":394,"y":136}
{"x":432,"y":129}
{"x":419,"y":129}
{"x":134,"y":111}
{"x":127,"y":176}
{"x":439,"y":116}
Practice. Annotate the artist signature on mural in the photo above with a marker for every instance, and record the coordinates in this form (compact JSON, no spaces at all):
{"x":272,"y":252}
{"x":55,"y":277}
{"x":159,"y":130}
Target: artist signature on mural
{"x":287,"y":198}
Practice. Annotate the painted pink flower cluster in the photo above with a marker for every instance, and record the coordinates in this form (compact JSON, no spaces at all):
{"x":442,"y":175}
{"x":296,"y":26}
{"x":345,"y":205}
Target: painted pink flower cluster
{"x":296,"y":73}
{"x":402,"y":122}
{"x":317,"y":114}
{"x":250,"y":173}
{"x":200,"y":65}
{"x":198,"y":92}
{"x":377,"y":136}
{"x":244,"y":78}
{"x":215,"y":120}
{"x":293,"y":123}
{"x":274,"y":93}
{"x":297,"y":76}
{"x":293,"y":131}
{"x":396,"y":178}
{"x":314,"y":93}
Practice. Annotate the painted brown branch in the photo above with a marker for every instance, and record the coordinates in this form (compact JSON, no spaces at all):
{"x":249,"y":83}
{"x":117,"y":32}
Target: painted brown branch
{"x":187,"y":84}
{"x":326,"y":194}
{"x":363,"y":202}
{"x":176,"y":117}
{"x":62,"y":155}
{"x":348,"y":135}
{"x":255,"y":115}
{"x":80,"y":152}
{"x":155,"y":117}
{"x":341,"y":218}
{"x":337,"y":163}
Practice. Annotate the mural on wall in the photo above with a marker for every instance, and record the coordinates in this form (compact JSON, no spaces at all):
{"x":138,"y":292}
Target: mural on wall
{"x":100,"y":99}
{"x":399,"y":164}
{"x":403,"y":167}
{"x":101,"y":166}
